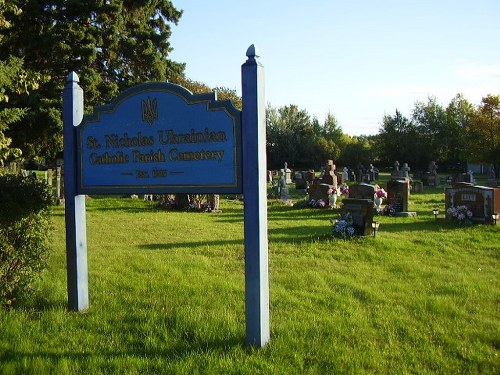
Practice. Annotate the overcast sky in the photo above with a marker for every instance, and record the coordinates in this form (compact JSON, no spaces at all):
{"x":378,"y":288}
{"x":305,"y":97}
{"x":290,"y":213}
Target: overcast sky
{"x":357,"y":59}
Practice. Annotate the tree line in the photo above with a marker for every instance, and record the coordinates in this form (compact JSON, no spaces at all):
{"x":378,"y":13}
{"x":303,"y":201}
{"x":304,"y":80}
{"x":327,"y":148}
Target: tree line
{"x":451,"y":136}
{"x":115,"y":45}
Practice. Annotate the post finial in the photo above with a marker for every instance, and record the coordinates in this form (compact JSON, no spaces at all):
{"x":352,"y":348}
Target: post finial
{"x":252,"y":52}
{"x":72,"y":77}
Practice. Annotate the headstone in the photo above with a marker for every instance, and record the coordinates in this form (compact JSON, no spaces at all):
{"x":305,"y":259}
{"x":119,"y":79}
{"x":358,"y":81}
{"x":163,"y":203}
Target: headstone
{"x":213,"y":201}
{"x":310,"y":176}
{"x":362,"y":191}
{"x":360,"y":172}
{"x":395,"y":172}
{"x":482,"y":201}
{"x":269,"y":177}
{"x":340,"y":178}
{"x":362,"y":212}
{"x":287,"y":173}
{"x":319,"y":191}
{"x":405,"y":171}
{"x":432,"y":177}
{"x":345,"y":173}
{"x":300,"y":181}
{"x":284,"y":193}
{"x":59,"y":186}
{"x":397,"y":196}
{"x":471,"y":177}
{"x":491,"y":176}
{"x":329,"y":177}
{"x":50,"y":176}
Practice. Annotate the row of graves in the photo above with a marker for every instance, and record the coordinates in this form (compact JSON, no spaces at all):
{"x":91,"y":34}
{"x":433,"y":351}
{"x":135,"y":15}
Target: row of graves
{"x":364,"y":200}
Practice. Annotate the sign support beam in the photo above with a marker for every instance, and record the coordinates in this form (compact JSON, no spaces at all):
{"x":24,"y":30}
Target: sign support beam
{"x":76,"y":232}
{"x":255,"y":201}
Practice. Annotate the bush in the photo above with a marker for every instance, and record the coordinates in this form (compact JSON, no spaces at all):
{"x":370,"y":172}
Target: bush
{"x":24,"y":227}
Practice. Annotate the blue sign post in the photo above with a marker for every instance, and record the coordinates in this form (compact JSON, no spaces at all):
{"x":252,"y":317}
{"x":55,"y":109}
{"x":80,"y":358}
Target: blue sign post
{"x":160,"y":138}
{"x":255,"y":201}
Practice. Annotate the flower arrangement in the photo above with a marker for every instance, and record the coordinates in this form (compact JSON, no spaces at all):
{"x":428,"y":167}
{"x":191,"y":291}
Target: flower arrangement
{"x":461,"y":214}
{"x":333,"y":191}
{"x":344,"y":189}
{"x":319,"y":203}
{"x":343,"y":227}
{"x":381,"y":193}
{"x":389,"y":210}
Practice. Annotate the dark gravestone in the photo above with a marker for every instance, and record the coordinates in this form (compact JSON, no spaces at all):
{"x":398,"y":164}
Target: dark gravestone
{"x":362,"y":191}
{"x":361,"y":211}
{"x":329,"y":177}
{"x":340,"y":178}
{"x":300,"y":181}
{"x":319,"y":191}
{"x":397,"y":195}
{"x":309,"y":176}
{"x":480,"y":200}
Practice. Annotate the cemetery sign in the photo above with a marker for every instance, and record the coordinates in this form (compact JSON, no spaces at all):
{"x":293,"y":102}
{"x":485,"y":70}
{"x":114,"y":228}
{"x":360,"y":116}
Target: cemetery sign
{"x":160,"y":138}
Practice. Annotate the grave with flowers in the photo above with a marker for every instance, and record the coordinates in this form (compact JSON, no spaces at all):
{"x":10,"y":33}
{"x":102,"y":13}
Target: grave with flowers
{"x":468,"y":203}
{"x":398,"y":194}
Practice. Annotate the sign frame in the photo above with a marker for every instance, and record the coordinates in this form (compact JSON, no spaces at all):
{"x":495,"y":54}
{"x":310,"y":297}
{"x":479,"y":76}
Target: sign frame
{"x":254,"y":187}
{"x":141,"y":177}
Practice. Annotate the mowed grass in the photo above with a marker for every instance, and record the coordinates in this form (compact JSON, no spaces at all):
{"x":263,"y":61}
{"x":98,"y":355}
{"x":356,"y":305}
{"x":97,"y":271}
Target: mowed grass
{"x":167,"y":296}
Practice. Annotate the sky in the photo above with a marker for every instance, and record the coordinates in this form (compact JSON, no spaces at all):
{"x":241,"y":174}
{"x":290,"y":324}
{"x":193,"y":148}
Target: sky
{"x":358,"y":60}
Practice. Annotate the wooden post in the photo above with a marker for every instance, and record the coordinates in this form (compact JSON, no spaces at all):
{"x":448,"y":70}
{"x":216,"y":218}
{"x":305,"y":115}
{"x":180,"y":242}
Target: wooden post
{"x":76,"y":235}
{"x":255,"y":201}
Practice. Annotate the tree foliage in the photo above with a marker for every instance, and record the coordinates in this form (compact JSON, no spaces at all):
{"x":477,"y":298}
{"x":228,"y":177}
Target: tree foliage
{"x":111,"y":44}
{"x":483,"y":133}
{"x":302,"y":142}
{"x":14,"y":78}
{"x":433,"y":133}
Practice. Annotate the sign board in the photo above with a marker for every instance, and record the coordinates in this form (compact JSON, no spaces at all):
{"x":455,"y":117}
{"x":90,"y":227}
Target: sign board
{"x":160,"y":138}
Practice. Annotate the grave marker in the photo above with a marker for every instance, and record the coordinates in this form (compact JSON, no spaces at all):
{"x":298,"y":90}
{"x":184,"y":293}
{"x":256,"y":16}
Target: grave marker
{"x":362,"y":212}
{"x":482,"y":201}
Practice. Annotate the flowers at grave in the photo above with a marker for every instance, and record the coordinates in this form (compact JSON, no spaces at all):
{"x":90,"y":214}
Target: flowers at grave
{"x":381,"y":193}
{"x":343,"y":227}
{"x":344,"y":189}
{"x":389,"y":210}
{"x":317,"y":203}
{"x":333,"y":191}
{"x":461,"y":214}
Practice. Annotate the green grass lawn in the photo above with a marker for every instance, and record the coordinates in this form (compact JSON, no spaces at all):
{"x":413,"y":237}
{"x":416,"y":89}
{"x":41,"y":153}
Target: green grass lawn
{"x":167,"y":296}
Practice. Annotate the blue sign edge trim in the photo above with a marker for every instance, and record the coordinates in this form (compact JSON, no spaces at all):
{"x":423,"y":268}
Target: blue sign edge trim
{"x":212,"y":105}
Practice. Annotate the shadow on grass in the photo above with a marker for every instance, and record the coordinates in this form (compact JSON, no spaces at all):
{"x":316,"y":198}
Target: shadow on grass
{"x":179,"y":245}
{"x":173,"y":353}
{"x":420,"y":226}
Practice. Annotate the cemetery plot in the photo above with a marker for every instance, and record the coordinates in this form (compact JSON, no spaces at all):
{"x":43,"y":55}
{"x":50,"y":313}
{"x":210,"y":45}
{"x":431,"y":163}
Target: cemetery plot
{"x":482,"y":201}
{"x":361,"y":211}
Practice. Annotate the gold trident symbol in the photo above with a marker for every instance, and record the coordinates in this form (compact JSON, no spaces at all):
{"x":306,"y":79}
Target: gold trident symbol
{"x":149,"y":110}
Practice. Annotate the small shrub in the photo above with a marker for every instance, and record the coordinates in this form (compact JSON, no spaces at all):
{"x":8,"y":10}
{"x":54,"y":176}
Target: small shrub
{"x":24,"y":226}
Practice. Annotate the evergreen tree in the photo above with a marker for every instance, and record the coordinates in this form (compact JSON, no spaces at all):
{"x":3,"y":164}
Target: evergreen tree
{"x":14,"y":79}
{"x":112,"y":45}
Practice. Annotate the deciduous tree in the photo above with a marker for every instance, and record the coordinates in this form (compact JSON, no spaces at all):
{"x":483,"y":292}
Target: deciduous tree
{"x":483,"y":133}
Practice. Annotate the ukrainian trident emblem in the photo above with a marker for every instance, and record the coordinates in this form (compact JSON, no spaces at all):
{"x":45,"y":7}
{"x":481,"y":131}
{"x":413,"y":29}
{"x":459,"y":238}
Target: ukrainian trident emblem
{"x":149,"y":110}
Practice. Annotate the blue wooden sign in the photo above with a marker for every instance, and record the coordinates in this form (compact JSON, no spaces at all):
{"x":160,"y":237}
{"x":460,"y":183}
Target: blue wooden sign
{"x":160,"y":138}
